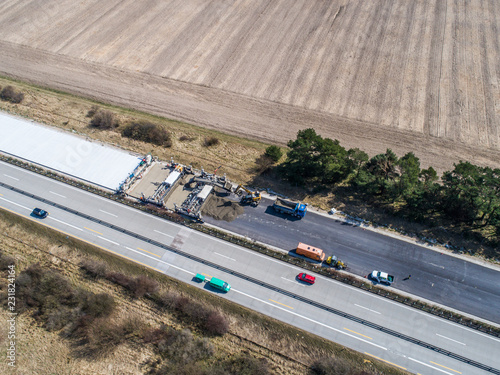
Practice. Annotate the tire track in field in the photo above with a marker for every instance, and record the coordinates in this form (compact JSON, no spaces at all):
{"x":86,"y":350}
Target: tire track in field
{"x":287,"y":76}
{"x":371,"y":78}
{"x":492,"y":51}
{"x":357,"y":84}
{"x":387,"y":109}
{"x":278,"y":49}
{"x":218,"y":59}
{"x":431,"y":119}
{"x":325,"y":65}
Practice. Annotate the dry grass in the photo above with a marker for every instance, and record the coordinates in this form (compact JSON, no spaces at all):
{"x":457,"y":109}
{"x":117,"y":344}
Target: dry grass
{"x":261,"y":336}
{"x":237,"y":156}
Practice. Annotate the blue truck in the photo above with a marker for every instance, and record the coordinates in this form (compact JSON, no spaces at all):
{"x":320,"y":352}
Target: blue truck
{"x":290,"y":208}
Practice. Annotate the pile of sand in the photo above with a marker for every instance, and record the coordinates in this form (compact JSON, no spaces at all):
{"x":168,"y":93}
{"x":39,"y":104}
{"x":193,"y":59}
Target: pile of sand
{"x":222,"y":208}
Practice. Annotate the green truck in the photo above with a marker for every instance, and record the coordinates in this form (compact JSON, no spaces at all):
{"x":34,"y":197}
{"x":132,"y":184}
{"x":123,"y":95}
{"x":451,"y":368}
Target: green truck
{"x":219,"y":284}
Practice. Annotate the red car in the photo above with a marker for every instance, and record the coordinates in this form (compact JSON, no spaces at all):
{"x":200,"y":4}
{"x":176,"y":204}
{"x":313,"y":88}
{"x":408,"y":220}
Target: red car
{"x":307,"y":278}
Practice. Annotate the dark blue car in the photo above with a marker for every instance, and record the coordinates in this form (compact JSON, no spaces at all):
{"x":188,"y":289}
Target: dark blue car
{"x":40,"y":213}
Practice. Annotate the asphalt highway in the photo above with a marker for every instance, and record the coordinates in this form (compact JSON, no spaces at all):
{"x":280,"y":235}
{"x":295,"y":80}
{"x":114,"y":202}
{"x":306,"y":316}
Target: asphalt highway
{"x":370,"y":324}
{"x":436,"y":276}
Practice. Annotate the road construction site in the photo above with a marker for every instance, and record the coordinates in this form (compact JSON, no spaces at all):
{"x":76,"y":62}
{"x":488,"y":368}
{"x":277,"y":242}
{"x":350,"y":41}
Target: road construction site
{"x":208,"y":196}
{"x":189,"y":192}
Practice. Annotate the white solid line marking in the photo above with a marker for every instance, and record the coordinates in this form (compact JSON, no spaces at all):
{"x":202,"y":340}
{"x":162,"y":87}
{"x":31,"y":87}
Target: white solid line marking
{"x":62,"y":222}
{"x":17,"y":204}
{"x":366,"y":308}
{"x":225,"y":256}
{"x":108,"y":213}
{"x":309,"y":319}
{"x":168,"y":235}
{"x":425,"y":364}
{"x":436,"y":265}
{"x":62,"y":196}
{"x":6,"y":175}
{"x":105,"y":239}
{"x":444,"y":337}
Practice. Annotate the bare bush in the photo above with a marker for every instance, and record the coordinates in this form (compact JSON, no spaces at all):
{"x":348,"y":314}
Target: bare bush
{"x":155,"y":335}
{"x":120,"y":279}
{"x":185,"y":138}
{"x":9,"y":94}
{"x":6,"y":261}
{"x":197,"y":312}
{"x":92,"y":111}
{"x":94,"y":269}
{"x":143,"y":285}
{"x":185,"y":369}
{"x":183,"y":347}
{"x":104,"y":336}
{"x":104,"y":120}
{"x":245,"y":364}
{"x":211,"y":141}
{"x":331,"y":366}
{"x":61,"y":317}
{"x":169,"y":300}
{"x":216,"y":324}
{"x":148,"y":132}
{"x":98,"y":305}
{"x":181,"y":302}
{"x":79,"y":327}
{"x":140,"y":286}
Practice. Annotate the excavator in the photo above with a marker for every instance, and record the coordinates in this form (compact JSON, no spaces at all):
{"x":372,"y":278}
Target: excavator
{"x":333,"y":261}
{"x":252,"y":197}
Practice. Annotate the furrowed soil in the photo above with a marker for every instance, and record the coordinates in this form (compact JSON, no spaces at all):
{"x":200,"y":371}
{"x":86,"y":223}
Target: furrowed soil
{"x":420,"y":76}
{"x":286,"y":349}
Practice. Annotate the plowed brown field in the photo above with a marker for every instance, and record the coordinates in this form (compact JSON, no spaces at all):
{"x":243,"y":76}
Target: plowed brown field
{"x":417,"y":75}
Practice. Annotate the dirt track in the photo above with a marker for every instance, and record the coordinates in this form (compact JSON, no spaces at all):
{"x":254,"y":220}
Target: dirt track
{"x":420,"y":75}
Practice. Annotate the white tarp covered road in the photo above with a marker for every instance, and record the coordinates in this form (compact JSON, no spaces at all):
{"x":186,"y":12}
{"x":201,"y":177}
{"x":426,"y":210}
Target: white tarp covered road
{"x":66,"y":153}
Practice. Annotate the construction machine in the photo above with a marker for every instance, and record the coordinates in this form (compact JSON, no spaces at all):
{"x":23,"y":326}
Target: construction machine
{"x":333,"y":261}
{"x":251,"y":197}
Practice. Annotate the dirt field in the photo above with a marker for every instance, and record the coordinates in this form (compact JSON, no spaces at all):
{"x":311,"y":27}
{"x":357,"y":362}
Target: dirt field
{"x":419,"y":75}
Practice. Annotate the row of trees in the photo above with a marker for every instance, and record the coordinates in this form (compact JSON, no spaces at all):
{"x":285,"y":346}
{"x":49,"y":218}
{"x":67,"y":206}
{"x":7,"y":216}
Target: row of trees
{"x":468,"y":195}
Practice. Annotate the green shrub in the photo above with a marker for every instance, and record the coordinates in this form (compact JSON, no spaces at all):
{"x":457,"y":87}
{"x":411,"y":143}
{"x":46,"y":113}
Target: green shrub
{"x":274,"y":152}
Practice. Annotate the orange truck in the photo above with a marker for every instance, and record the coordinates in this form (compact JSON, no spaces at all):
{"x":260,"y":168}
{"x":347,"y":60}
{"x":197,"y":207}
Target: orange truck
{"x":310,"y":252}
